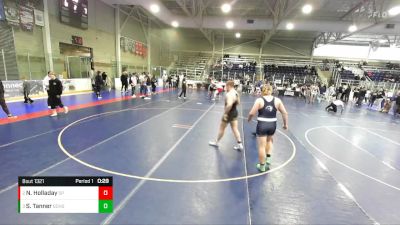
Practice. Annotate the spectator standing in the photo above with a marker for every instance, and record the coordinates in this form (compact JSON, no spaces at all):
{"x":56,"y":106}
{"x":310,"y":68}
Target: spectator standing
{"x":347,"y":93}
{"x":3,"y":102}
{"x":396,"y":108}
{"x":153,"y":84}
{"x":104,"y":77}
{"x":183,"y":92}
{"x":46,"y":80}
{"x":27,"y":89}
{"x":98,"y":83}
{"x":124,"y":82}
{"x":55,"y":91}
{"x":133,"y":81}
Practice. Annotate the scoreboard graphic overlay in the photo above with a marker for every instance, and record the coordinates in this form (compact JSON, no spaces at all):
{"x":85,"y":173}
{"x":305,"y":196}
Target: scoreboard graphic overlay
{"x":65,"y":195}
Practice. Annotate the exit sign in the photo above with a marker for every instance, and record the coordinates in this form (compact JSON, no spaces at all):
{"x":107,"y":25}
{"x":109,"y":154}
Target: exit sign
{"x":77,"y":40}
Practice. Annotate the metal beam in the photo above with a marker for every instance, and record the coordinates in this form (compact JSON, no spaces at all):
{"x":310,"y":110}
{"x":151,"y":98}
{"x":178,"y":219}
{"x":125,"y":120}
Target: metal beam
{"x":127,"y":18}
{"x":361,"y":3}
{"x":203,"y":31}
{"x":281,"y":11}
{"x":361,"y":30}
{"x":276,"y":22}
{"x":234,"y":46}
{"x":290,"y":49}
{"x":142,"y":25}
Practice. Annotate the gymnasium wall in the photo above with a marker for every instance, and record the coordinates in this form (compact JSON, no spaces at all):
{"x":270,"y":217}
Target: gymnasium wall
{"x":100,"y":36}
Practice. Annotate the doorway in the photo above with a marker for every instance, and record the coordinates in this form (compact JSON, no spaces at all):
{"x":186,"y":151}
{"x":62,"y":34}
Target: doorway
{"x":78,"y":60}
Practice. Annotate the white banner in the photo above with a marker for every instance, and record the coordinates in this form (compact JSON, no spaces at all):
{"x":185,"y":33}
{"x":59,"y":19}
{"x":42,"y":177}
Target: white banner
{"x":13,"y":88}
{"x":39,"y":17}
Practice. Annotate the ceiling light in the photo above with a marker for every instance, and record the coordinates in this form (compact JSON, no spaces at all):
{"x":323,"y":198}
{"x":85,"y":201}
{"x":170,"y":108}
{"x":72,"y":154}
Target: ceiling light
{"x":394,"y":11}
{"x":307,"y":9}
{"x":229,"y":24}
{"x":238,"y":35}
{"x":175,"y":23}
{"x":154,"y":8}
{"x":289,"y":26}
{"x":352,"y":28}
{"x":226,"y":8}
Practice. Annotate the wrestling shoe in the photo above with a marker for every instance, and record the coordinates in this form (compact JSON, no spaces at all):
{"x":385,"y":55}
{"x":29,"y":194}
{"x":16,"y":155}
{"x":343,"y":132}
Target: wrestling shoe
{"x":238,"y":147}
{"x":261,"y":167}
{"x":214,"y":143}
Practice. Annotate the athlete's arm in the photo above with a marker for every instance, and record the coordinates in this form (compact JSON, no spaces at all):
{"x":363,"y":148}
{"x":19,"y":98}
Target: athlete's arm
{"x":254,"y":110}
{"x":284,"y":113}
{"x":229,"y":103}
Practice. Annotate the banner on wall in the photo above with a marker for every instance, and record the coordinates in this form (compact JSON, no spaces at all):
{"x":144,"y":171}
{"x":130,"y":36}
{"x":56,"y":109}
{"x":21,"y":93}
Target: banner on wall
{"x":26,"y":18}
{"x":135,"y":47}
{"x":13,"y":88}
{"x":39,"y":17}
{"x":11,"y":12}
{"x":2,"y":15}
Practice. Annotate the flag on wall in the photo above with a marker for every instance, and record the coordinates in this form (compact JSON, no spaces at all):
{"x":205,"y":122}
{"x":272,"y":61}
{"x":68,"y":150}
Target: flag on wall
{"x":11,"y":12}
{"x":39,"y":17}
{"x":26,"y":18}
{"x":144,"y":52}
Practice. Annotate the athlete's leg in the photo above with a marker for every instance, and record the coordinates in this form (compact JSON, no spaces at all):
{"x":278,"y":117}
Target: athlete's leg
{"x":221,"y":132}
{"x":268,"y":148}
{"x":235,"y":130}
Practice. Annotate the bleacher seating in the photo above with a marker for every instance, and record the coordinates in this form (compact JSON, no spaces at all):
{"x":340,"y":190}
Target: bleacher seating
{"x":192,"y":64}
{"x":347,"y":75}
{"x":235,"y":67}
{"x":287,"y":73}
{"x":384,"y":76}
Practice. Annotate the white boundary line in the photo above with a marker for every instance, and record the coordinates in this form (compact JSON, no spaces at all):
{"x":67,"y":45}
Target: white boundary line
{"x":54,"y":130}
{"x":360,"y":148}
{"x":124,"y":202}
{"x":343,"y":164}
{"x":129,"y":109}
{"x":343,"y":188}
{"x":91,"y":147}
{"x":171,"y":180}
{"x":383,"y":137}
{"x":245,"y":169}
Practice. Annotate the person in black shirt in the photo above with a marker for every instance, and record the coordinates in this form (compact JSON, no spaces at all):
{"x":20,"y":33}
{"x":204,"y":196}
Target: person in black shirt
{"x":104,"y":77}
{"x":55,"y":91}
{"x":124,"y":82}
{"x":169,"y":81}
{"x":148,"y":84}
{"x":3,"y":101}
{"x":372,"y":98}
{"x":183,"y":91}
{"x":355,"y":95}
{"x":347,"y":93}
{"x":361,"y":96}
{"x":267,"y":107}
{"x":177,"y":81}
{"x":27,"y":89}
{"x":98,"y":83}
{"x":153,"y":84}
{"x":396,"y":107}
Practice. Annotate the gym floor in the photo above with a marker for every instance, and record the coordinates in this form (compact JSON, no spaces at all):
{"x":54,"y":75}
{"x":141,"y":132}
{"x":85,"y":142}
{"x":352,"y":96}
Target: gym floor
{"x":326,"y":169}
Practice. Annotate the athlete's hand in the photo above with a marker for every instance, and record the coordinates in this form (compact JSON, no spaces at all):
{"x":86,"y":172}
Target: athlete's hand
{"x":58,"y":96}
{"x":226,"y":117}
{"x":285,"y":127}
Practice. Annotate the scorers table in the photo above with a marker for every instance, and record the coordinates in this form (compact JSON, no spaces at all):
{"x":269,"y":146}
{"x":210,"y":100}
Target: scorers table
{"x":65,"y":195}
